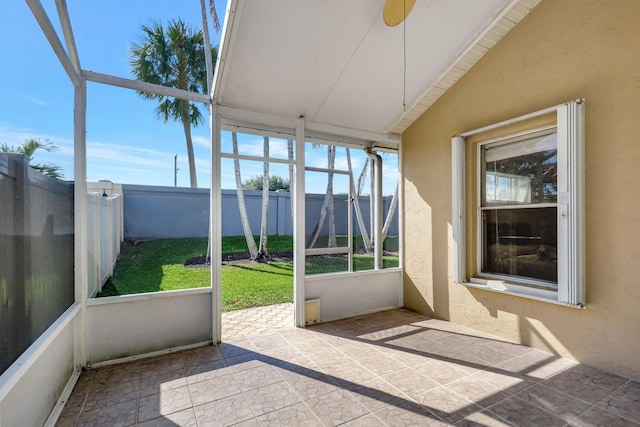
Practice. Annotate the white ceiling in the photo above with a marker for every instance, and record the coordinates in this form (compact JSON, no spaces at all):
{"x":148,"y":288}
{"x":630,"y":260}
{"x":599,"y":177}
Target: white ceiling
{"x":336,"y":63}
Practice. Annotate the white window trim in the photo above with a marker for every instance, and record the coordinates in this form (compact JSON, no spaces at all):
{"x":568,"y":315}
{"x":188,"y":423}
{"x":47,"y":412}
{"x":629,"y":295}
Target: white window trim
{"x":571,"y":226}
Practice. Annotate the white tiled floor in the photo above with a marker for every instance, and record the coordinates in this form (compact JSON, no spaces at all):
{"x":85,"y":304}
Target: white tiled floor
{"x":395,"y":368}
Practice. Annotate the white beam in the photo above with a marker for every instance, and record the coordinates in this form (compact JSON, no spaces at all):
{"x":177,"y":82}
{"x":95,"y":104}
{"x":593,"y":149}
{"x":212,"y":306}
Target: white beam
{"x":299,"y":229}
{"x":225,"y":41}
{"x":234,"y":115}
{"x":96,"y":77}
{"x":67,"y":31}
{"x":81,"y":261}
{"x":215,"y":225}
{"x":325,"y":128}
{"x":237,"y":116}
{"x":50,"y":33}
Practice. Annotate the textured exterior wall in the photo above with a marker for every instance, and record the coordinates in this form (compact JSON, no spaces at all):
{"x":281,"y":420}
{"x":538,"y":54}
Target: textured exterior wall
{"x":561,"y":51}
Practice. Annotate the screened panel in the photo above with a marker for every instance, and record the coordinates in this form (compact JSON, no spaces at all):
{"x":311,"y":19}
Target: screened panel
{"x":327,"y":212}
{"x":280,"y":147}
{"x":36,"y":255}
{"x":323,"y":264}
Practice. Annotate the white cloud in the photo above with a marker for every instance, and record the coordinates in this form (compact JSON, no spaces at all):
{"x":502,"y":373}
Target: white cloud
{"x":33,"y":99}
{"x":201,"y":140}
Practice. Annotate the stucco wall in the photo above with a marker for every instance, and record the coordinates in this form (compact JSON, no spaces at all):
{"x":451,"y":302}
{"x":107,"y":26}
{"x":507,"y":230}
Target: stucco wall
{"x":561,"y":51}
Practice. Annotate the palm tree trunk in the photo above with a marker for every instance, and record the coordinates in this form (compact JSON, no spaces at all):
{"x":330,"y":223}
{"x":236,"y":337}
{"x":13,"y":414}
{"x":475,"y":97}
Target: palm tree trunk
{"x":391,"y":213}
{"x":356,"y":206}
{"x":331,"y":207}
{"x":186,"y":125}
{"x":248,"y":235}
{"x":361,"y":177}
{"x":264,"y":225}
{"x":327,"y":205}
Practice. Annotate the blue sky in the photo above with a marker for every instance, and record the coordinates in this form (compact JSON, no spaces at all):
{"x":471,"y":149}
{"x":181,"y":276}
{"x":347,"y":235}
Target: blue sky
{"x":126,"y":143}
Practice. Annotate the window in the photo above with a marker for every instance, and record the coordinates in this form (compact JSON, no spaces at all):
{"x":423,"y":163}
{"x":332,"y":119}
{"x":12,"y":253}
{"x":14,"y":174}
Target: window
{"x":528,"y":212}
{"x":517,"y":212}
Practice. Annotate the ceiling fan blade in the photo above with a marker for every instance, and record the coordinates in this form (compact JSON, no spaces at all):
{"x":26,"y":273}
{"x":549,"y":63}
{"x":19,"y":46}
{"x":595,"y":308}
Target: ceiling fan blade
{"x":395,"y":11}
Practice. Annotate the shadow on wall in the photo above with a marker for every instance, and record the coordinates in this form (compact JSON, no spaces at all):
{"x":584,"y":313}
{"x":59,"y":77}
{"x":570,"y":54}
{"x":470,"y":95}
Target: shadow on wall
{"x":556,"y":337}
{"x":427,"y":234}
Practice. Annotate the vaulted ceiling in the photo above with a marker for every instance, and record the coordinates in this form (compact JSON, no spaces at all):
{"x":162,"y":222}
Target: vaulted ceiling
{"x":335,"y":62}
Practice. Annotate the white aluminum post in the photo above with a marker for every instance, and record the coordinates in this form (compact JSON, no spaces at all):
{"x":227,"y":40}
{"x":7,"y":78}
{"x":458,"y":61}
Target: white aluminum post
{"x":215,"y":225}
{"x":458,"y":220}
{"x":81,"y":259}
{"x":299,"y":229}
{"x":376,"y":162}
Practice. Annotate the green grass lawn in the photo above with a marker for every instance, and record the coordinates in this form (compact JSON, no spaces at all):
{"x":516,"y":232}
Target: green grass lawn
{"x":158,"y":265}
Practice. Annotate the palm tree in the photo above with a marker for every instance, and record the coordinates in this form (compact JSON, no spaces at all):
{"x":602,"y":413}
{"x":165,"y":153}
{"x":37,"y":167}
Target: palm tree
{"x":28,"y":148}
{"x":246,"y":226}
{"x":263,"y":253}
{"x":174,"y":58}
{"x":327,"y":205}
{"x":356,"y":206}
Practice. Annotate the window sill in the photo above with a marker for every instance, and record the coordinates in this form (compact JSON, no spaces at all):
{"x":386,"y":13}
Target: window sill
{"x":502,"y":287}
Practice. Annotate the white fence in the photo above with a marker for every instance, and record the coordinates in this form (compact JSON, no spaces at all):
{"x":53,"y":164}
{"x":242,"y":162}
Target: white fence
{"x":105,"y":231}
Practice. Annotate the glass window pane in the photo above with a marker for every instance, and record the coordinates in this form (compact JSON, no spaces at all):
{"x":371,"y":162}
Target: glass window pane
{"x":521,"y":242}
{"x":518,"y":174}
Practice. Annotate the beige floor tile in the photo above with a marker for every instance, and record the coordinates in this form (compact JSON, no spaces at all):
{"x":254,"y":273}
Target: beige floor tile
{"x":162,"y":364}
{"x":118,"y":415}
{"x":444,"y":372}
{"x":483,"y":419}
{"x":408,"y":413}
{"x":376,"y":393}
{"x":112,"y":396}
{"x":164,"y":381}
{"x":336,"y":408}
{"x":308,"y":383}
{"x":294,"y":415}
{"x":536,"y":365}
{"x":560,"y":404}
{"x":200,"y":355}
{"x":585,"y":383}
{"x":271,"y":398}
{"x":410,"y":382}
{"x":328,"y":357}
{"x":597,"y":417}
{"x":625,"y":401}
{"x":521,"y":413}
{"x":185,"y":418}
{"x":224,"y":412}
{"x":164,"y":403}
{"x":366,"y":421}
{"x":257,"y":377}
{"x":341,"y":372}
{"x":349,"y":373}
{"x":207,"y":371}
{"x":478,"y":391}
{"x":446,"y":404}
{"x":380,"y":364}
{"x":213,"y":389}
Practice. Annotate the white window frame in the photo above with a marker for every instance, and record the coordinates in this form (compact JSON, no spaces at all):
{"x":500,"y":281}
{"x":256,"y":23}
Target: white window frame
{"x":570,"y":211}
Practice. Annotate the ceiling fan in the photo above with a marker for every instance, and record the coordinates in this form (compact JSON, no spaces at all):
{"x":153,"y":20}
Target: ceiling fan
{"x":395,"y":11}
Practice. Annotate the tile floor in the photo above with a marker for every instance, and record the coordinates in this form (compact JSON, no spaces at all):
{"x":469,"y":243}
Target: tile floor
{"x":257,"y":320}
{"x":395,"y":368}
